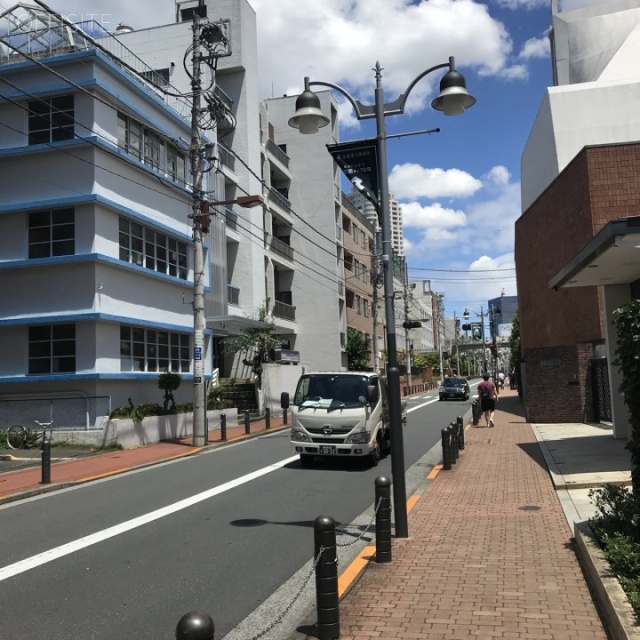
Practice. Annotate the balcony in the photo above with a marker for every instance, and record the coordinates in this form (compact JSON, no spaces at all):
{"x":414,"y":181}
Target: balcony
{"x":233,"y":295}
{"x":280,"y":198}
{"x":277,"y":153}
{"x":230,"y":218}
{"x":226,"y":157}
{"x":279,"y":247}
{"x":284,"y":310}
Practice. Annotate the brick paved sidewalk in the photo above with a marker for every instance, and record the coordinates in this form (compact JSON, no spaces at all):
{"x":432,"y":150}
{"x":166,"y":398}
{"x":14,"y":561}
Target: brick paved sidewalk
{"x":489,"y":553}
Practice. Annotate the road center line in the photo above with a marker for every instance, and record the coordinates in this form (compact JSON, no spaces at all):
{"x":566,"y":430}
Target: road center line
{"x":76,"y":545}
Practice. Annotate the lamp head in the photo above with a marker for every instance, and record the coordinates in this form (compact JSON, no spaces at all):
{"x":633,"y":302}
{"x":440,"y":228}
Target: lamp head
{"x":454,"y":97}
{"x":308,"y":117}
{"x":465,"y":315}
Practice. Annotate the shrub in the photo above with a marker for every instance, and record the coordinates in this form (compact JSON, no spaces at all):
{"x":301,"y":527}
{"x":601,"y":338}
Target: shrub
{"x":615,"y":527}
{"x":215,"y":399}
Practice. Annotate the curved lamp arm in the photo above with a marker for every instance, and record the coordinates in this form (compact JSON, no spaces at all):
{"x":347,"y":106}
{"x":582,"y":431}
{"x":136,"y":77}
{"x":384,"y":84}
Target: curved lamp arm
{"x":364,"y":111}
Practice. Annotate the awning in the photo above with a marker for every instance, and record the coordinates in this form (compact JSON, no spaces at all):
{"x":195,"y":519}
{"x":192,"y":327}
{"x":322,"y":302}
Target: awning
{"x":611,"y":257}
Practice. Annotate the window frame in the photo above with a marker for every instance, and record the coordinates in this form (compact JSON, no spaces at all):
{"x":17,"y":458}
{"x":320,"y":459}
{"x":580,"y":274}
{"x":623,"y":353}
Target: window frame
{"x":149,"y":350}
{"x":51,"y":119}
{"x":53,"y":347}
{"x":46,"y":238}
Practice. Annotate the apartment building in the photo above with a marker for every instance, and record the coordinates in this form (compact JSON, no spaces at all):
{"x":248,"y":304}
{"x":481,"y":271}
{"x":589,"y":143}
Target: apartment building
{"x":96,"y":271}
{"x":363,"y":307}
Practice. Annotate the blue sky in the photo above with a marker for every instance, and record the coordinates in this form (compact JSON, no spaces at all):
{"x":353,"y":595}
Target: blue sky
{"x":460,"y":188}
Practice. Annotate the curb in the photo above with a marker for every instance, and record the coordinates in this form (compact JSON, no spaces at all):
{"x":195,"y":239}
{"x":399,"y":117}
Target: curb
{"x":612,"y":602}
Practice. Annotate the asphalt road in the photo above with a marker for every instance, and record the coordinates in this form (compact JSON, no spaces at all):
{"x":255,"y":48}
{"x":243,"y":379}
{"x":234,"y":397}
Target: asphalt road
{"x":220,"y":532}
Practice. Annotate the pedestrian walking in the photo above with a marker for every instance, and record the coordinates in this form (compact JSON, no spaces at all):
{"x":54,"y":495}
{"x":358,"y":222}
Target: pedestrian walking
{"x":488,"y":397}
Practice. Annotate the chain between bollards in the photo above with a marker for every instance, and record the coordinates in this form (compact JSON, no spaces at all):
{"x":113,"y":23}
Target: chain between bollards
{"x":46,"y":461}
{"x":324,"y":533}
{"x":383,"y":519}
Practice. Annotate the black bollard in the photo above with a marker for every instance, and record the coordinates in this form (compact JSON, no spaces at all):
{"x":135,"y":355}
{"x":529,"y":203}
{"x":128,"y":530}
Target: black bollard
{"x":453,"y":434}
{"x":475,"y":412}
{"x":195,"y":626}
{"x":247,"y":423}
{"x":324,"y":534}
{"x":383,"y":519}
{"x":460,"y":432}
{"x":267,"y":418}
{"x":46,"y":461}
{"x":446,"y":455}
{"x":284,"y":417}
{"x":223,"y":427}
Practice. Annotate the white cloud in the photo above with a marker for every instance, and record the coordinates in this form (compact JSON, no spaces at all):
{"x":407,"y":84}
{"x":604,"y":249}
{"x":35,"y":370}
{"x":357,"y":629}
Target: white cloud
{"x":522,"y":4}
{"x":411,"y":180}
{"x":499,"y":175}
{"x":431,"y":216}
{"x":535,"y":48}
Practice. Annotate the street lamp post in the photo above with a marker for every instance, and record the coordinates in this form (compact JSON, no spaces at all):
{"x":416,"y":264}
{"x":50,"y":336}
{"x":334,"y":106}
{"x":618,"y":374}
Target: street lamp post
{"x":453,"y":99}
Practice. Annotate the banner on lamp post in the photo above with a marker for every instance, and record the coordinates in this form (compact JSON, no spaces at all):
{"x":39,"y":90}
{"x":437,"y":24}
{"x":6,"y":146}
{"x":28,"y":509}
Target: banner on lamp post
{"x":359,"y":162}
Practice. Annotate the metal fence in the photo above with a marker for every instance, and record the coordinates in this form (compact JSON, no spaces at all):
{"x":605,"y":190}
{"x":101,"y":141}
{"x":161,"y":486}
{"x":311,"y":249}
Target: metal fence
{"x":600,"y":392}
{"x":75,"y":413}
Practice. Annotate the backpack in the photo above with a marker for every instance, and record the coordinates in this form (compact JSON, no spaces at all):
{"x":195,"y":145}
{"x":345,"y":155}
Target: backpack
{"x":484,"y":392}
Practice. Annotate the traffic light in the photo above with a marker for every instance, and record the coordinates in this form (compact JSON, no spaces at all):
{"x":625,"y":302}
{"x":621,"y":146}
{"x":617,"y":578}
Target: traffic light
{"x":412,"y":324}
{"x":466,"y":327}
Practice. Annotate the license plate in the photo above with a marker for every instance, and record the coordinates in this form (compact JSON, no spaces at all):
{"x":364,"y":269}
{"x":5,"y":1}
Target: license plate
{"x":327,"y":450}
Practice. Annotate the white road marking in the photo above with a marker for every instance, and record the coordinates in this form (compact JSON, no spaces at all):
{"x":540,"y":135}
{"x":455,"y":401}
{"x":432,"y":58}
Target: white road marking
{"x":82,"y":543}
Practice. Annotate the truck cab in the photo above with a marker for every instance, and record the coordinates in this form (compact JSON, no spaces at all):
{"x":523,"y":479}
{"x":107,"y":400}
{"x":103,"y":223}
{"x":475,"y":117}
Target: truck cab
{"x":342,"y":414}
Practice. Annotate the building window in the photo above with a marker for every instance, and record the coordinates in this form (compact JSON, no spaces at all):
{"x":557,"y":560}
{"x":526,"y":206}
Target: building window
{"x":150,"y":350}
{"x":358,"y":305}
{"x":151,"y":249}
{"x":51,"y":119}
{"x":52,"y":233}
{"x":52,"y":349}
{"x":159,"y":77}
{"x":366,"y":308}
{"x":150,"y":148}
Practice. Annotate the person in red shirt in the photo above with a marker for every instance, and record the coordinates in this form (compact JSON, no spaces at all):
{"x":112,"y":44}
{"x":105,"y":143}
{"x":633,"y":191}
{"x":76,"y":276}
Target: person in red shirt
{"x":488,"y":397}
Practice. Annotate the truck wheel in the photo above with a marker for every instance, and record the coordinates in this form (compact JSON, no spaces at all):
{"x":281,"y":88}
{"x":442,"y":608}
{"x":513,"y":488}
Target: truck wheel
{"x":306,"y":460}
{"x":374,"y":456}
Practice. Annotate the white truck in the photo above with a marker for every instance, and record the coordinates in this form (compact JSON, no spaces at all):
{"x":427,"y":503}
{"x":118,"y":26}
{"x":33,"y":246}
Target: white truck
{"x":343,"y":414}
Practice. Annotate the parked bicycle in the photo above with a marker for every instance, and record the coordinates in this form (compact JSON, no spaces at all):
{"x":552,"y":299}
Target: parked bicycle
{"x":19,"y":437}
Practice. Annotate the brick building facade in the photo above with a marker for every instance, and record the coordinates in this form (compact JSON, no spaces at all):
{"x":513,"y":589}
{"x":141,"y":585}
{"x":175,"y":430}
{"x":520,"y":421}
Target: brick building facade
{"x":561,"y":329}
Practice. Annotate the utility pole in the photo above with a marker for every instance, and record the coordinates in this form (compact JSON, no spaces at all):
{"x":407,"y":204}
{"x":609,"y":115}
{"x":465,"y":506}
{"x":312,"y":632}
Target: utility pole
{"x":199,"y":320}
{"x":213,"y":39}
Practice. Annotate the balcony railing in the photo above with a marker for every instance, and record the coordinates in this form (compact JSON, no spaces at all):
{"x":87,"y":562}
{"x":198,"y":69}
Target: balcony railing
{"x":277,"y":152}
{"x":230,"y":218}
{"x":283,"y":310}
{"x":226,"y":157}
{"x":233,"y":294}
{"x":280,"y":198}
{"x":279,"y":247}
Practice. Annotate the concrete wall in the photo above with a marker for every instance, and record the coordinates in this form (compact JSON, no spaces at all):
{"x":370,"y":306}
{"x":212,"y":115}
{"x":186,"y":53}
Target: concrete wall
{"x":129,"y":434}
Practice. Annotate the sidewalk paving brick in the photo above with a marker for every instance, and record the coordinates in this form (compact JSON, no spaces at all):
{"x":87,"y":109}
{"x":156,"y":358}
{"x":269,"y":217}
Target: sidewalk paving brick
{"x":489,"y":553}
